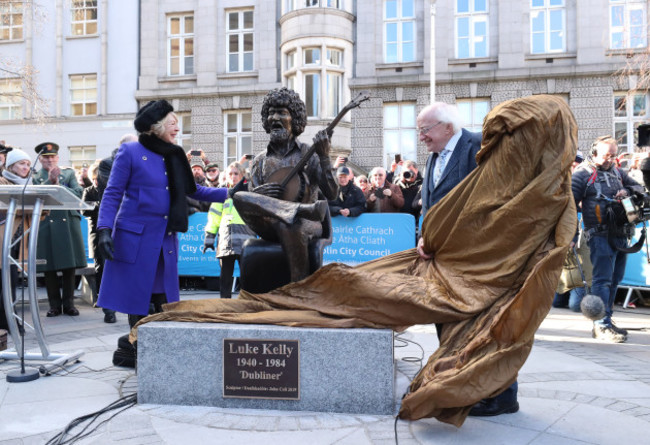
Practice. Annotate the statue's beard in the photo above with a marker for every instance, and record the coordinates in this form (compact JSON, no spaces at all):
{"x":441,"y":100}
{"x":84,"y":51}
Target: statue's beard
{"x":280,"y":136}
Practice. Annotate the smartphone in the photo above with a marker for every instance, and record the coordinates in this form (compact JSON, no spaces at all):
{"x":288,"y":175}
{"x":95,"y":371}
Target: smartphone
{"x":249,"y":157}
{"x":398,"y":158}
{"x":195,"y":152}
{"x":345,"y":160}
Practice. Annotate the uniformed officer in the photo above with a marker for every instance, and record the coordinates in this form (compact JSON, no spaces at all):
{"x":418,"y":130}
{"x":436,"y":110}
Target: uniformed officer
{"x":60,"y":241}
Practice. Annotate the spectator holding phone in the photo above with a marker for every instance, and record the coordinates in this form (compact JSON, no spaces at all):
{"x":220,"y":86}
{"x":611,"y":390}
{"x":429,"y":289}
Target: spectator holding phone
{"x":382,"y":196}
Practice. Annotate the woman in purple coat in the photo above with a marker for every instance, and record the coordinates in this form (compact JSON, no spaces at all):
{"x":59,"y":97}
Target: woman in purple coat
{"x":142,"y":208}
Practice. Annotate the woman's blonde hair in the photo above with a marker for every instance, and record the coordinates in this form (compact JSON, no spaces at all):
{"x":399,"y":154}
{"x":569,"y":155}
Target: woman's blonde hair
{"x":238,"y":166}
{"x":158,"y":128}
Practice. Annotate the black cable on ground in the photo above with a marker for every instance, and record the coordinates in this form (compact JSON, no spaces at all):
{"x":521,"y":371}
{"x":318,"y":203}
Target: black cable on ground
{"x":400,"y":342}
{"x":121,"y":404}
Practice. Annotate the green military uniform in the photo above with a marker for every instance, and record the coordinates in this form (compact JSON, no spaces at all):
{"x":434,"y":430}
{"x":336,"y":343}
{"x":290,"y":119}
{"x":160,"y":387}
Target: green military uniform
{"x":60,"y":243}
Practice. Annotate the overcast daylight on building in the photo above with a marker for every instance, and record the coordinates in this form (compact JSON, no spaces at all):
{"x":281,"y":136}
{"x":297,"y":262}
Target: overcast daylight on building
{"x":214,"y":60}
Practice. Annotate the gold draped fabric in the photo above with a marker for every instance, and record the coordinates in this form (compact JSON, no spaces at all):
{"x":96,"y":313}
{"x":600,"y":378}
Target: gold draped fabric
{"x":499,"y":240}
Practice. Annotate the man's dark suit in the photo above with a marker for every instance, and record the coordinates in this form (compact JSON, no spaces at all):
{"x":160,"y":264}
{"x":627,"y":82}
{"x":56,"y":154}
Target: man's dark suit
{"x":461,"y":163}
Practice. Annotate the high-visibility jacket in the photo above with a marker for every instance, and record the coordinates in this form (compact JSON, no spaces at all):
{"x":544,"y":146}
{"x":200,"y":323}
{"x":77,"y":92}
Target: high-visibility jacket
{"x":224,"y":220}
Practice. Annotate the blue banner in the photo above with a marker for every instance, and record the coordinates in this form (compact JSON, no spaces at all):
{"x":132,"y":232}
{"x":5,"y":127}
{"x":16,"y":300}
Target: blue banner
{"x":369,"y":236}
{"x":637,"y":269}
{"x":191,"y":261}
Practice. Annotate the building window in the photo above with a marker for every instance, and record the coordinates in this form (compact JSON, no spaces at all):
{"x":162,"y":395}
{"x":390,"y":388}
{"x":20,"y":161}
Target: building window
{"x":318,"y":79}
{"x":83,"y":17}
{"x":184,"y":137}
{"x":180,"y":45}
{"x":240,"y":41}
{"x":238,"y":137}
{"x":292,"y":5}
{"x":399,"y":31}
{"x":473,"y":112}
{"x":83,"y":95}
{"x":11,"y":99}
{"x":471,"y":29}
{"x":627,"y":24}
{"x":547,"y":26}
{"x":400,"y":134}
{"x":291,"y":60}
{"x":11,"y":21}
{"x":630,"y":111}
{"x":82,"y":154}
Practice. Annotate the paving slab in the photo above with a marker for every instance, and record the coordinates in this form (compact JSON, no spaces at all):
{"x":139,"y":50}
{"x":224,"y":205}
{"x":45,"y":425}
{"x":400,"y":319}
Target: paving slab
{"x":573,"y":390}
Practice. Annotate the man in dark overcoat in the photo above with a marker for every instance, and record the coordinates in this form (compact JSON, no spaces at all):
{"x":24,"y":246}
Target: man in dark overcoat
{"x":60,"y":242}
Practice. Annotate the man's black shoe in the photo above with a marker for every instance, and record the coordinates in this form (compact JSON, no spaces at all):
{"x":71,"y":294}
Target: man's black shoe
{"x":53,"y":312}
{"x":110,"y":318}
{"x":493,"y":407}
{"x":72,"y":311}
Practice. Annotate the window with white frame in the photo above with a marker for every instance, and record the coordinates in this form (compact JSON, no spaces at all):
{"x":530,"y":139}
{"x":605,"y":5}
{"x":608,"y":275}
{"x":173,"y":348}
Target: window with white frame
{"x":11,"y":21}
{"x":292,"y":5}
{"x":399,"y":31}
{"x":180,"y":44}
{"x":318,"y":78}
{"x":628,"y":24}
{"x":472,"y":29}
{"x":11,"y":99}
{"x":184,"y":137}
{"x":400,"y":133}
{"x":238,"y":127}
{"x":630,"y":110}
{"x":83,"y":94}
{"x":83,"y":17}
{"x":547,"y":26}
{"x":239,"y":30}
{"x":473,"y":112}
{"x":82,"y":154}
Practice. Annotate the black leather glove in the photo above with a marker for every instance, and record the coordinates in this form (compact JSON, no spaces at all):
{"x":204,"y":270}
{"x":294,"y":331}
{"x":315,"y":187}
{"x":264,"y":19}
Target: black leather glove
{"x":241,"y":186}
{"x":209,"y":241}
{"x":105,"y":244}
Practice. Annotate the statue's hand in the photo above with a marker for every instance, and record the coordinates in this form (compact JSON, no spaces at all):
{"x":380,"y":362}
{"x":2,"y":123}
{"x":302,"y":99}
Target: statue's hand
{"x":272,"y":189}
{"x":322,"y":143}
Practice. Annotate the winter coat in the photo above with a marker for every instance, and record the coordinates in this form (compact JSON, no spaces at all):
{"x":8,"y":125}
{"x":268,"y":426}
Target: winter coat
{"x":135,"y":206}
{"x":233,"y":231}
{"x":60,"y":242}
{"x":392,"y":204}
{"x":349,"y":197}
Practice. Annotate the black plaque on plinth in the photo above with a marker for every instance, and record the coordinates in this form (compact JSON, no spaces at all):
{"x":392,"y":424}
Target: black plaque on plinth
{"x":261,"y":369}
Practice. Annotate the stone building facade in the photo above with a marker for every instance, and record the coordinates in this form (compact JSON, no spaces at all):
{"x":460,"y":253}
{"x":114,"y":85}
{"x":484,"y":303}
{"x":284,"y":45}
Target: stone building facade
{"x":84,"y":58}
{"x":215,"y":61}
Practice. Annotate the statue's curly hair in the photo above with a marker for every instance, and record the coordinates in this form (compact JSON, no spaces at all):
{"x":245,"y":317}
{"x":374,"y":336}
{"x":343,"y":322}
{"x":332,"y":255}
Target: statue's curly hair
{"x":289,"y":99}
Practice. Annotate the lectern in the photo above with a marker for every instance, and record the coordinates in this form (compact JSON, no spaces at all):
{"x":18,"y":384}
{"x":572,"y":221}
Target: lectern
{"x":35,"y":199}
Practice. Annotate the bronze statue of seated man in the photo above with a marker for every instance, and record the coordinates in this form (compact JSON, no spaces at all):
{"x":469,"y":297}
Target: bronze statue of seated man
{"x":282,"y":203}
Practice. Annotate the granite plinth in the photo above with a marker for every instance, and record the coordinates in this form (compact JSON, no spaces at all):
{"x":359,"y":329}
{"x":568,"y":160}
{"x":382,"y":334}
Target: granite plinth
{"x":340,"y":370}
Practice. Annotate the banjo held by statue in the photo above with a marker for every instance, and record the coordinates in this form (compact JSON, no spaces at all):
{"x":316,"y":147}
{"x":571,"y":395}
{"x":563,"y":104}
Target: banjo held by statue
{"x":295,"y":184}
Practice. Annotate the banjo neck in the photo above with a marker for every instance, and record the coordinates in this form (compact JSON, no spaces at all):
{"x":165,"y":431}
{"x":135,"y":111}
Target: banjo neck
{"x":362,"y":96}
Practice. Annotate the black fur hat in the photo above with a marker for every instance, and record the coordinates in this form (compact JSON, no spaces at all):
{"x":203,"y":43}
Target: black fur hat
{"x":151,"y":113}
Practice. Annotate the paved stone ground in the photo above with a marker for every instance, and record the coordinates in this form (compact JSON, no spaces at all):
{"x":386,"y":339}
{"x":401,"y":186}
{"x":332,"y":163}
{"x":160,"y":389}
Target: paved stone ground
{"x":573,"y":390}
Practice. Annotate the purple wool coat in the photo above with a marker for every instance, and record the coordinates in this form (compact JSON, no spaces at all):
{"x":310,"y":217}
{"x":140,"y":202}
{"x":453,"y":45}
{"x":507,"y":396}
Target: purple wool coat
{"x":135,"y":206}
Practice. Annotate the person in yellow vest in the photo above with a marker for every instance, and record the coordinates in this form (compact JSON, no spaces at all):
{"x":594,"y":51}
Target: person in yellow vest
{"x":224,"y":220}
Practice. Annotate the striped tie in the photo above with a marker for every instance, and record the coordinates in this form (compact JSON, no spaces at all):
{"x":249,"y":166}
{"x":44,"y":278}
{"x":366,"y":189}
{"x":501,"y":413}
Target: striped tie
{"x":440,"y":166}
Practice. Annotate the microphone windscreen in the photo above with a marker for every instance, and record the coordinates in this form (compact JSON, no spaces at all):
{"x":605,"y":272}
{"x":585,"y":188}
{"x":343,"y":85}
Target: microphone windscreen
{"x":592,"y":307}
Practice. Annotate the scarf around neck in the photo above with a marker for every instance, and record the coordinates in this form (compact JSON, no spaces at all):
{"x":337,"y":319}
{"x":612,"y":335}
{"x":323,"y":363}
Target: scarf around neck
{"x":181,"y":180}
{"x":14,"y":177}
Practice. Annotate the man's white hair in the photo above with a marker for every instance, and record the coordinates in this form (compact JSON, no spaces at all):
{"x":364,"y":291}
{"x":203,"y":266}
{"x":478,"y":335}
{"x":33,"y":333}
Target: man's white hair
{"x":444,"y":112}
